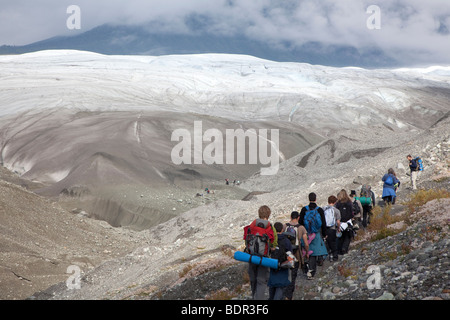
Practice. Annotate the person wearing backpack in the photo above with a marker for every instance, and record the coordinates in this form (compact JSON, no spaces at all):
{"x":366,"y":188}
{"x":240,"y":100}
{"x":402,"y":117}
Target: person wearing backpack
{"x":391,"y":183}
{"x":357,"y":208}
{"x":415,"y":169}
{"x":279,"y":279}
{"x":345,"y":207}
{"x":333,"y":222}
{"x":367,"y":200}
{"x":313,"y":219}
{"x":293,"y":226}
{"x":260,"y":237}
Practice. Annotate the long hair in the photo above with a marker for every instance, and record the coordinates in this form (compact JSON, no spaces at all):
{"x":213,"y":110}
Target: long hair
{"x":343,"y":197}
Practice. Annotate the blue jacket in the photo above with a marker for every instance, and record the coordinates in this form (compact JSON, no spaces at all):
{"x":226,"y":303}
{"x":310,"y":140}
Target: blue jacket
{"x":389,"y":190}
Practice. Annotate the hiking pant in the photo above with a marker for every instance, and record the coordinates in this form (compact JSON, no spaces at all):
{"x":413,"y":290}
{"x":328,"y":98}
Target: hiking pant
{"x":289,"y":290}
{"x":414,"y":175}
{"x":367,"y":211}
{"x":344,"y":242}
{"x":313,"y":264}
{"x":331,"y":242}
{"x":259,"y":276}
{"x":276,"y":293}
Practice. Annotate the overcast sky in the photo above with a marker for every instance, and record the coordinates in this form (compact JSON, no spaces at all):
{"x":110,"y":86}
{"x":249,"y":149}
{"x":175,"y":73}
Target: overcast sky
{"x":413,"y":28}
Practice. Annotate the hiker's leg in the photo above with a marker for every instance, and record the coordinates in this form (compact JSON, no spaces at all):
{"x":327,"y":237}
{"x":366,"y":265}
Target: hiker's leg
{"x":331,"y":239}
{"x":414,"y":179}
{"x":365,"y":213}
{"x":312,"y":265}
{"x":272,"y":293}
{"x":278,"y":293}
{"x":262,"y":277}
{"x":345,"y":241}
{"x":252,"y":275}
{"x":289,"y":290}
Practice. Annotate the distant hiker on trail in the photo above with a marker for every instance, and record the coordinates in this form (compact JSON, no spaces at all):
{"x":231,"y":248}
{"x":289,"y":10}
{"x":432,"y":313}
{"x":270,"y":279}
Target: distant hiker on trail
{"x":227,"y":182}
{"x":333,"y":223}
{"x":391,"y":183}
{"x":313,"y":219}
{"x":367,"y":200}
{"x":414,"y":167}
{"x":300,"y":234}
{"x":357,"y":208}
{"x":345,"y":207}
{"x":260,"y":234}
{"x":279,"y":279}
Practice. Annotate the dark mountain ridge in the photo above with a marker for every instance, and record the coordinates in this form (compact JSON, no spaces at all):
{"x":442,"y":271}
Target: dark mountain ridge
{"x":138,"y":40}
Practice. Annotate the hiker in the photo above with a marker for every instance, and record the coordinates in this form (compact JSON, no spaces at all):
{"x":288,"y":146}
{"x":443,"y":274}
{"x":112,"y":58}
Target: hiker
{"x":333,"y":223}
{"x":414,"y":167}
{"x":258,"y":274}
{"x":299,"y":234}
{"x":227,"y":182}
{"x":391,"y":183}
{"x":357,"y":208}
{"x":345,"y":207}
{"x":313,"y":219}
{"x":279,"y":278}
{"x":367,"y":200}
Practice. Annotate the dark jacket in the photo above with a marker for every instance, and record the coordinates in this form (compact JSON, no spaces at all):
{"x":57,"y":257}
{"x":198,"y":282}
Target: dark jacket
{"x":413,"y":165}
{"x":280,"y":278}
{"x":312,"y":205}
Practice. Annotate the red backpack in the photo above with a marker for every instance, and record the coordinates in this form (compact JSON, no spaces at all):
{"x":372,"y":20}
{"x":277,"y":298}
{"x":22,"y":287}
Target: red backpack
{"x":258,"y":235}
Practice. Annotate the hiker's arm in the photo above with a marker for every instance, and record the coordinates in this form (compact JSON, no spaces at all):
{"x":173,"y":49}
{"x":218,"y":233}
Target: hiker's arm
{"x":324,"y":224}
{"x":274,"y":244}
{"x":305,"y":241}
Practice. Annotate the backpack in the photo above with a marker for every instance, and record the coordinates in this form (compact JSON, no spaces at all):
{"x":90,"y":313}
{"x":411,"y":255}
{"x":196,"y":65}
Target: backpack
{"x":346,"y":210}
{"x":279,"y":253}
{"x":330,"y":218}
{"x":389,"y":180}
{"x":366,"y":191}
{"x":356,"y":208}
{"x":257,"y":237}
{"x":291,"y":234}
{"x":419,"y":163}
{"x":312,"y":222}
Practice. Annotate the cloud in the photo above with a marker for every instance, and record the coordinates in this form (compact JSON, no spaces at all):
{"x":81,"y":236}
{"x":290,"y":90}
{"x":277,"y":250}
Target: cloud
{"x":408,"y":27}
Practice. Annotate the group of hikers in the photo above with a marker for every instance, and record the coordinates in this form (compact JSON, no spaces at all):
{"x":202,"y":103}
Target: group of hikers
{"x":235,"y":182}
{"x":312,"y":235}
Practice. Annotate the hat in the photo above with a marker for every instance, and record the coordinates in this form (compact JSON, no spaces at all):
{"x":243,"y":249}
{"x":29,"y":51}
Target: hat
{"x":353,"y":192}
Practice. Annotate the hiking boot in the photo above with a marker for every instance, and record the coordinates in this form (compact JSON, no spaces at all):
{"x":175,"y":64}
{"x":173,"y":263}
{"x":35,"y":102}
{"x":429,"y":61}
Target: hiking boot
{"x":309,"y":275}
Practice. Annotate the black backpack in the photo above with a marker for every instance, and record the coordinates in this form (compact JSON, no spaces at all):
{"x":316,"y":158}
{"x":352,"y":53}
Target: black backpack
{"x":356,"y":208}
{"x":279,"y":253}
{"x":346,"y":210}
